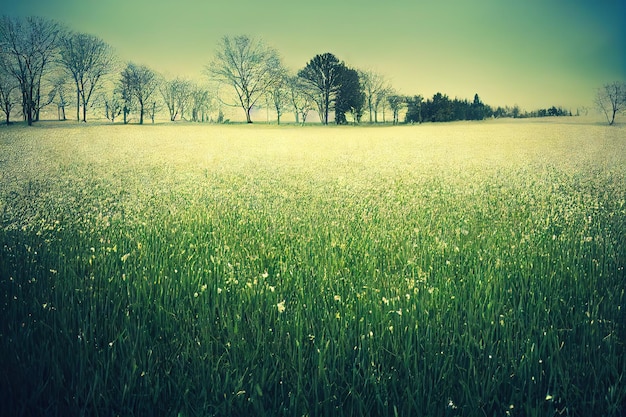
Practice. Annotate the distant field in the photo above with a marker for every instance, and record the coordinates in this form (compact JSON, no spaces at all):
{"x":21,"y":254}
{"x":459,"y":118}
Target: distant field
{"x":462,"y":269}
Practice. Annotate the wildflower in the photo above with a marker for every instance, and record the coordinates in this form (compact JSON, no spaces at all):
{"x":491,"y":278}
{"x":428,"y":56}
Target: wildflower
{"x":451,"y":404}
{"x":337,"y":298}
{"x":265,"y":274}
{"x":219,"y":290}
{"x":281,"y":306}
{"x":125,"y":257}
{"x":203,"y":287}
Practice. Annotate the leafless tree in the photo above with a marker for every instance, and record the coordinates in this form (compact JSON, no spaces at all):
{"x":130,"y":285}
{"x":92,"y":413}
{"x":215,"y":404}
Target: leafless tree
{"x":139,"y":83}
{"x":87,"y":59}
{"x":113,"y":104}
{"x":380,"y":101}
{"x":9,"y":92}
{"x":375,"y":88}
{"x":250,"y":66}
{"x":611,"y":100}
{"x":176,"y":95}
{"x":29,"y":45}
{"x":59,"y":94}
{"x":278,"y":96}
{"x":200,"y":103}
{"x":300,"y":99}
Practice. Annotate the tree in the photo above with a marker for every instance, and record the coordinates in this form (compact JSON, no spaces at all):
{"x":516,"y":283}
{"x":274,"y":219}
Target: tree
{"x":249,"y":66}
{"x":139,"y":83}
{"x":396,"y":103}
{"x":200,"y":103}
{"x":279,"y":96}
{"x":350,"y":97}
{"x":29,"y":46}
{"x":477,"y":110}
{"x":87,"y":59}
{"x":300,"y":99}
{"x":113,"y":105}
{"x":375,"y":89}
{"x":176,"y":95}
{"x":322,"y":75}
{"x":414,"y":109}
{"x":59,"y":92}
{"x":9,"y":92}
{"x":611,"y":100}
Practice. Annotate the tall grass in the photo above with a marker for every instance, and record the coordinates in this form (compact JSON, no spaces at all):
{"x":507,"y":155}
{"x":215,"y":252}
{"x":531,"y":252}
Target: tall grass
{"x":451,"y":270}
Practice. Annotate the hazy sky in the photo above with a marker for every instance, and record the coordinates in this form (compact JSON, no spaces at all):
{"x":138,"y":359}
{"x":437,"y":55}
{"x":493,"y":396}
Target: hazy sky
{"x":534,"y":53}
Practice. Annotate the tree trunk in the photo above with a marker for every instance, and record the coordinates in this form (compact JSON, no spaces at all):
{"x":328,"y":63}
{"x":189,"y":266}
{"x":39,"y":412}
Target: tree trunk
{"x":248,"y":118}
{"x":77,"y":103}
{"x":326,"y":105}
{"x":84,"y":111}
{"x":29,"y":114}
{"x":613,"y":117}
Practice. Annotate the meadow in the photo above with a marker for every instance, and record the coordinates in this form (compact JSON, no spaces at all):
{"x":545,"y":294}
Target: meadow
{"x":461,"y":269}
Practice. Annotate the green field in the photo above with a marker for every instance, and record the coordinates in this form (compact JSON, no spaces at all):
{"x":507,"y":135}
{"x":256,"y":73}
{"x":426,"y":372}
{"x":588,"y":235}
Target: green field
{"x":462,"y":269}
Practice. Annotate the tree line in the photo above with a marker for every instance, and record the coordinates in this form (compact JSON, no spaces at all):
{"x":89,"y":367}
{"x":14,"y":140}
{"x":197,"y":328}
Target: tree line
{"x":43,"y":63}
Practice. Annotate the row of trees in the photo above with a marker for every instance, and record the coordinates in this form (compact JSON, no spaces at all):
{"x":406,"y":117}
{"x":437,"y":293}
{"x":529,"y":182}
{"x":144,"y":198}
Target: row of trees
{"x":42,"y":63}
{"x":38,"y":54}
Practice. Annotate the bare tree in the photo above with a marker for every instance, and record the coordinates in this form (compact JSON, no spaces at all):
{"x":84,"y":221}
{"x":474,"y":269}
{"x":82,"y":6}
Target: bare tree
{"x":375,"y":88}
{"x":611,"y":100}
{"x":138,"y":82}
{"x":300,"y":99}
{"x":87,"y":59}
{"x":249,"y":66}
{"x":9,"y":92}
{"x":278,"y":95}
{"x":380,"y":101}
{"x":59,"y":92}
{"x":200,"y":103}
{"x":29,"y":46}
{"x":113,"y":104}
{"x":176,"y":94}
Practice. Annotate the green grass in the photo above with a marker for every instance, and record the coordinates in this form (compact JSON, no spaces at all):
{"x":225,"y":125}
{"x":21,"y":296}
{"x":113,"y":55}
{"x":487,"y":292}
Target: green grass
{"x":466,"y":269}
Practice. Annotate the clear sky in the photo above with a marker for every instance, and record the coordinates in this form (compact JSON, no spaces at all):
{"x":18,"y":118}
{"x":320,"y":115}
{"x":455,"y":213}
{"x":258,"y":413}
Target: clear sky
{"x":533,"y":53}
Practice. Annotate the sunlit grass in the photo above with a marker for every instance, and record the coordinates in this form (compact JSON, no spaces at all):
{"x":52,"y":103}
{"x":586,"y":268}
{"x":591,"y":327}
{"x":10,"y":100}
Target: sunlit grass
{"x":463,"y":269}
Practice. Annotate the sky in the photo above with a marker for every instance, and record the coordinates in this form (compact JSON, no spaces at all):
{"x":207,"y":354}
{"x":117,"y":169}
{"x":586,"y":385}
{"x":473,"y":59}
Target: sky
{"x":530,"y":53}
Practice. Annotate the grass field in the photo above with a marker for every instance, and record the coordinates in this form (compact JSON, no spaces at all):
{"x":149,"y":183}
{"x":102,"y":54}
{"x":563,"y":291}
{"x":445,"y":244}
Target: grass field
{"x":463,"y":269}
